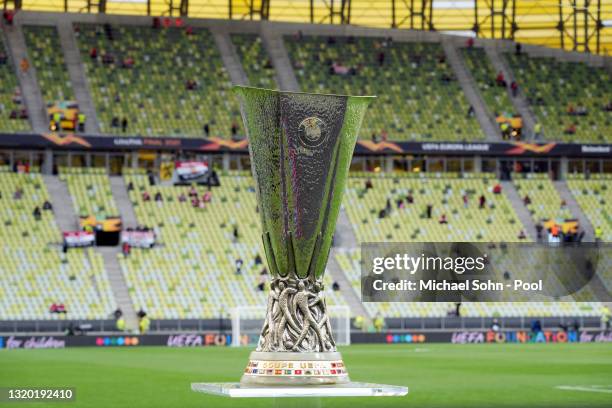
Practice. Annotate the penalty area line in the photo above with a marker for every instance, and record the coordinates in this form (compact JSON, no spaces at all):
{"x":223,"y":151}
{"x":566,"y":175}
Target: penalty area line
{"x":607,"y":389}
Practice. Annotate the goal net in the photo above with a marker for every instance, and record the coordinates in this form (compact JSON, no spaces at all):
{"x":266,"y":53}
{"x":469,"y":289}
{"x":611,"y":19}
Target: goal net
{"x":247,"y":322}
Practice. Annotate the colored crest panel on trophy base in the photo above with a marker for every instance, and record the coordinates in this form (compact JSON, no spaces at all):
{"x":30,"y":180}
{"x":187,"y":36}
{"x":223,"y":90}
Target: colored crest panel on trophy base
{"x":301,"y":146}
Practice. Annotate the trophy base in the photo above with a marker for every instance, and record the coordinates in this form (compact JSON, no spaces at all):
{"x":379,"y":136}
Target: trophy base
{"x":351,"y":389}
{"x":289,"y":368}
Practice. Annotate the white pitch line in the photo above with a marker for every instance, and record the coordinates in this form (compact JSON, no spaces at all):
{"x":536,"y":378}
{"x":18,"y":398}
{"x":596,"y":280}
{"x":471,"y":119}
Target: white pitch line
{"x":590,"y":388}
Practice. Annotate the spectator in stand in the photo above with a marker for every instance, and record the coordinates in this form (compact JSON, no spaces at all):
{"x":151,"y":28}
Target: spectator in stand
{"x":3,"y":58}
{"x":514,"y":87}
{"x":128,"y":62}
{"x":570,"y":130}
{"x":207,"y":130}
{"x":18,"y":194}
{"x":61,"y":308}
{"x":53,"y":308}
{"x":518,"y":48}
{"x":410,"y":198}
{"x":207,"y":197}
{"x":195,"y":203}
{"x":37,"y":213}
{"x":124,"y":124}
{"x":258,"y":260}
{"x":125,"y":248}
{"x":235,"y":233}
{"x":193,"y":192}
{"x":526,"y":199}
{"x":182,"y":198}
{"x":539,"y":228}
{"x":239,"y":263}
{"x":234,"y":130}
{"x":368,"y":184}
{"x":47,"y":206}
{"x":108,"y":58}
{"x":146,"y":196}
{"x":442,"y":219}
{"x":465,"y":200}
{"x":381,"y":58}
{"x":500,"y":80}
{"x":522,"y":235}
{"x":482,"y":201}
{"x":469,"y":43}
{"x":117,"y":313}
{"x":158,"y":197}
{"x":263,"y":279}
{"x":191,"y":85}
{"x":384,"y":135}
{"x":335,"y":286}
{"x":93,"y":53}
{"x":8,"y":16}
{"x":24,"y":65}
{"x":497,"y":189}
{"x":130,"y":186}
{"x":470,"y":112}
{"x":428,"y":210}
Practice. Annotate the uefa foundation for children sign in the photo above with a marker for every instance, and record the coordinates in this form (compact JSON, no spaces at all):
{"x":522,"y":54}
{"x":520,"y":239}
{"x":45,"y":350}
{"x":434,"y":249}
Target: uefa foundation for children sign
{"x":485,"y":272}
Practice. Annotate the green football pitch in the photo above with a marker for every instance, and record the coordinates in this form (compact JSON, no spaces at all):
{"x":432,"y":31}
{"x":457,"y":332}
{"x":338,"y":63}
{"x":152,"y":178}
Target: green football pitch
{"x":438,"y":375}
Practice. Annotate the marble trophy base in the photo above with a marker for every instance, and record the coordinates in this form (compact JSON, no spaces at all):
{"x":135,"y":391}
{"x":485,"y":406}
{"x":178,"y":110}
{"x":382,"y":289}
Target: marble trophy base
{"x":294,"y":369}
{"x":351,"y":389}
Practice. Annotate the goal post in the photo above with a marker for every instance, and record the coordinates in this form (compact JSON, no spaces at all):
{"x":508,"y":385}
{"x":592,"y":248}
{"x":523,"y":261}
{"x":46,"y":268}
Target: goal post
{"x":248,"y":320}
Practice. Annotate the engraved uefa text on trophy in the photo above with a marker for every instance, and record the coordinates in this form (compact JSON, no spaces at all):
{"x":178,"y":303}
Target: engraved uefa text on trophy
{"x":301,"y":147}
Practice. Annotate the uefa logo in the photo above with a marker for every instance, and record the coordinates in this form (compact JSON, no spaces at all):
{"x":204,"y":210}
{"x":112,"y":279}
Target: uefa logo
{"x":312,"y":132}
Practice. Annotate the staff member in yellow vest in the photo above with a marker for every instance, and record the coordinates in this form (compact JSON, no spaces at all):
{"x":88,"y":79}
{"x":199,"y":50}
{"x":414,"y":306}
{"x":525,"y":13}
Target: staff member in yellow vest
{"x":57,"y":118}
{"x":598,"y":234}
{"x":81,"y":118}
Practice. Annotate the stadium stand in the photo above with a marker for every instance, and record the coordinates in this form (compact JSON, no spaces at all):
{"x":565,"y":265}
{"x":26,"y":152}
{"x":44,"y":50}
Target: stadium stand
{"x":594,"y":197}
{"x":255,"y":61}
{"x":445,"y":192}
{"x":45,"y":52}
{"x":143,"y":75}
{"x":90,"y":190}
{"x":34,"y":272}
{"x":570,"y":99}
{"x":495,"y":97}
{"x":541,"y":197}
{"x":13,"y":113}
{"x":418,"y":95}
{"x":191,"y":273}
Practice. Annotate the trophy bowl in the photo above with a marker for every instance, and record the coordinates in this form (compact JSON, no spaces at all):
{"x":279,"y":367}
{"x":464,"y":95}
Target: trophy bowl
{"x":301,"y":145}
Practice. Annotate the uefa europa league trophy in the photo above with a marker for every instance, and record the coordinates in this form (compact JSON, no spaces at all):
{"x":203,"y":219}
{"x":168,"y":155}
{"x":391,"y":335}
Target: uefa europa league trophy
{"x":301,"y":147}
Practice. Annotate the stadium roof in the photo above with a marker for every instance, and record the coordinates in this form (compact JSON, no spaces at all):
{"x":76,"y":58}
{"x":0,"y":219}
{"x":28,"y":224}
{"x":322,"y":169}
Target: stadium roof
{"x":536,"y":21}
